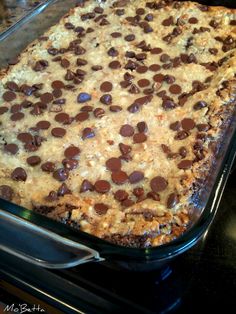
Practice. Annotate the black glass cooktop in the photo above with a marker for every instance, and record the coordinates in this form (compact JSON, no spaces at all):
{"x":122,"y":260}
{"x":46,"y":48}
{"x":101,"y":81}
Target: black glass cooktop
{"x":202,"y":279}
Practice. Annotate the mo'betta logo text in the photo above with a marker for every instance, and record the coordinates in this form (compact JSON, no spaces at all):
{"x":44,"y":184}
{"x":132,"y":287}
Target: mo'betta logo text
{"x":23,"y":308}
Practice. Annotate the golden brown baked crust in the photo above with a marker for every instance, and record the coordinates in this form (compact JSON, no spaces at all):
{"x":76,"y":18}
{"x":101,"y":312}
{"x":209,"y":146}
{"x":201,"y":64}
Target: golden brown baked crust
{"x":110,"y":121}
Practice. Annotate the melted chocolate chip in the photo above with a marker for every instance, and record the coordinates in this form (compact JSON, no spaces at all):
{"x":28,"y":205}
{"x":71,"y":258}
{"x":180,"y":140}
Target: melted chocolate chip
{"x":158,"y":184}
{"x":58,"y":132}
{"x":121,"y":195}
{"x":181,"y":135}
{"x":19,"y":174}
{"x":185,"y":164}
{"x":113,"y":164}
{"x":106,"y":99}
{"x":33,"y":160}
{"x":106,"y":87}
{"x":102,"y":186}
{"x":100,"y":208}
{"x":6,"y":192}
{"x":119,"y":177}
{"x":125,"y":149}
{"x":71,"y":152}
{"x":136,"y":176}
{"x":11,"y":148}
{"x":48,"y":166}
{"x":70,"y":163}
{"x":139,"y":138}
{"x":98,"y":112}
{"x":9,"y":96}
{"x":61,"y":174}
{"x":126,"y":130}
{"x":82,"y":116}
{"x":187,"y":124}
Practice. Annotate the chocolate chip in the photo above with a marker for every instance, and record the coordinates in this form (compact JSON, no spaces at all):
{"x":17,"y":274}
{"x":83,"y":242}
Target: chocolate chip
{"x":149,"y":17}
{"x":58,"y":132}
{"x":172,"y":200}
{"x":187,"y":124}
{"x":9,"y":96}
{"x":70,"y":163}
{"x":72,"y":152}
{"x":158,"y":78}
{"x":138,"y":192}
{"x":175,"y":89}
{"x":183,"y":152}
{"x":203,"y":127}
{"x":63,"y":190}
{"x":57,"y":85}
{"x":12,"y":86}
{"x":121,"y":195}
{"x":6,"y":192}
{"x":86,"y":109}
{"x":19,"y":174}
{"x":165,"y":149}
{"x":133,"y":89}
{"x":130,"y":65}
{"x":46,"y":98}
{"x":143,"y":83}
{"x":3,"y":110}
{"x":115,"y":65}
{"x":154,"y":67}
{"x":154,"y":196}
{"x":130,"y":37}
{"x":86,"y":186}
{"x":139,"y":138}
{"x":142,"y":69}
{"x":106,"y":99}
{"x":69,"y":75}
{"x":82,"y":116}
{"x":48,"y":166}
{"x":142,"y":127}
{"x":136,"y":176}
{"x":87,"y":133}
{"x":193,"y":20}
{"x":175,"y":126}
{"x":11,"y":148}
{"x":156,"y":51}
{"x":40,"y":65}
{"x":199,"y":105}
{"x":168,"y":104}
{"x":53,"y":51}
{"x":96,"y":67}
{"x":181,"y":135}
{"x":116,"y":34}
{"x":83,"y":97}
{"x":102,"y":186}
{"x":61,"y":174}
{"x":65,"y":63}
{"x":98,"y":112}
{"x":57,"y":93}
{"x":115,"y":108}
{"x":33,"y":160}
{"x":126,"y":130}
{"x":113,"y":164}
{"x":112,"y":52}
{"x":63,"y":118}
{"x":100,"y":208}
{"x":43,"y":125}
{"x":158,"y":184}
{"x":127,"y":203}
{"x":119,"y":177}
{"x":106,"y":87}
{"x":25,"y":137}
{"x":169,"y":21}
{"x":140,"y":11}
{"x":164,"y":58}
{"x":185,"y":164}
{"x":17,"y":116}
{"x":125,"y":149}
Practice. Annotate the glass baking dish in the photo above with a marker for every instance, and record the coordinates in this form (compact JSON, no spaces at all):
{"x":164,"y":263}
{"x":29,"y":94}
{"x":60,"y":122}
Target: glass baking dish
{"x":51,"y":244}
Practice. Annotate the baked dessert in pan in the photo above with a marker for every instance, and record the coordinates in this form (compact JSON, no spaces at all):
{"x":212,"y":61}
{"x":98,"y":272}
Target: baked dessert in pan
{"x":110,"y":122}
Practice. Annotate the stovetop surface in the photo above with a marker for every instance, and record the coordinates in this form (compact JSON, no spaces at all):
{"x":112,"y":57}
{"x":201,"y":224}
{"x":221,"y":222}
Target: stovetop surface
{"x":204,"y":278}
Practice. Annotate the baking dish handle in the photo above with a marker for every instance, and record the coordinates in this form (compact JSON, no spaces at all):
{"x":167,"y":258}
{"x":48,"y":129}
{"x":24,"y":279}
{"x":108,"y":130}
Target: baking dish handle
{"x":39,"y":246}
